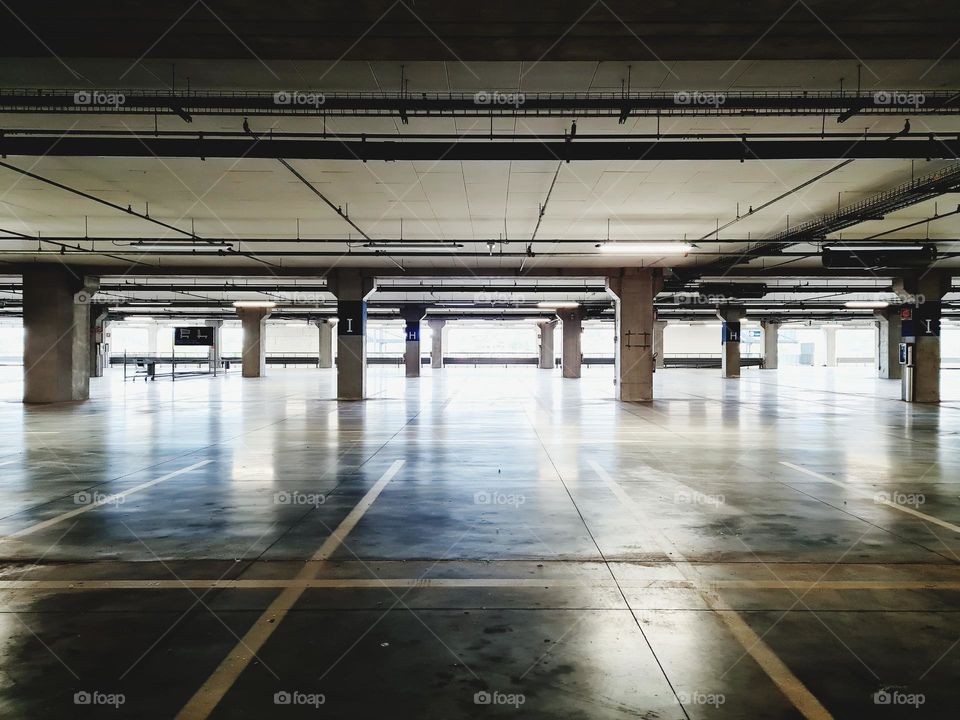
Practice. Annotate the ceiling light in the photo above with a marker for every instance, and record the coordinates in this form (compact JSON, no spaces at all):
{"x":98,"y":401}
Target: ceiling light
{"x":866,"y":304}
{"x":558,"y":304}
{"x":652,"y":248}
{"x":254,"y":304}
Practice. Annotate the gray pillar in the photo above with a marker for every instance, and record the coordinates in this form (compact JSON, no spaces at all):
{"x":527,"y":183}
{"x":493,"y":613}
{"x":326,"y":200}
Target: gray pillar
{"x":254,"y":358}
{"x":56,"y":322}
{"x":215,"y":352}
{"x":658,"y":327}
{"x":351,"y":287}
{"x":436,"y":343}
{"x":572,"y":352}
{"x":923,"y":330}
{"x":634,"y":290}
{"x":830,"y":335}
{"x":771,"y":343}
{"x":99,"y":359}
{"x":888,"y":343}
{"x":412,"y":315}
{"x":325,"y":356}
{"x":730,"y":357}
{"x":152,"y":331}
{"x":547,"y":356}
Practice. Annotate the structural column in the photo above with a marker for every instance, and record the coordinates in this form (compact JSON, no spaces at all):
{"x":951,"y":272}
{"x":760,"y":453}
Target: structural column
{"x":545,"y":331}
{"x":771,"y":343}
{"x":99,"y":357}
{"x":634,"y":290}
{"x":412,"y":315}
{"x":326,"y":326}
{"x":572,"y":319}
{"x":254,"y":358}
{"x":659,"y":326}
{"x":922,"y":329}
{"x":216,"y":353}
{"x":436,"y":343}
{"x":351,"y":287}
{"x":888,"y":344}
{"x":830,"y":335}
{"x":56,"y":321}
{"x":730,"y":356}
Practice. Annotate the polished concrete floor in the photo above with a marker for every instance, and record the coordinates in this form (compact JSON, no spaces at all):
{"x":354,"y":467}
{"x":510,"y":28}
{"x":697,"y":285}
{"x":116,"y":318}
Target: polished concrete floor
{"x":481,"y":542}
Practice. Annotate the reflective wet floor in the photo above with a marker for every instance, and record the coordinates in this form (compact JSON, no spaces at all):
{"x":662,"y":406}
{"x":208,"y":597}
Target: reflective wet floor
{"x":482,"y":542}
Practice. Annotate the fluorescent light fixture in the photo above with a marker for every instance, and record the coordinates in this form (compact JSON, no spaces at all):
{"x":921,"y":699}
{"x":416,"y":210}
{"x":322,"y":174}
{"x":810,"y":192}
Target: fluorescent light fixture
{"x":558,"y":304}
{"x":254,"y":304}
{"x":866,"y":304}
{"x":641,"y":248}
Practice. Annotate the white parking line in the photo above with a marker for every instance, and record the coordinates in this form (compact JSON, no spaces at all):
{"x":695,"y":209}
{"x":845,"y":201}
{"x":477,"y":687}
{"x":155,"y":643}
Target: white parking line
{"x":206,"y":699}
{"x":874,"y":498}
{"x":105,"y":500}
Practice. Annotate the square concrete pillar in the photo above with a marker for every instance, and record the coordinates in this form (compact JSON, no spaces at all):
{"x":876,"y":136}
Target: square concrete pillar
{"x":924,"y":296}
{"x":771,"y":343}
{"x":326,"y":328}
{"x":254,"y":357}
{"x":659,"y":326}
{"x":830,"y":338}
{"x":351,"y":287}
{"x":436,"y":343}
{"x":99,"y":351}
{"x":634,"y":290}
{"x":56,"y":322}
{"x":215,"y":352}
{"x":572,"y":319}
{"x":888,"y":343}
{"x":730,"y":338}
{"x":547,"y":357}
{"x":412,"y":316}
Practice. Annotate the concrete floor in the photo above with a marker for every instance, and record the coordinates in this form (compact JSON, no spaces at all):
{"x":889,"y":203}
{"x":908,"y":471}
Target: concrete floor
{"x":720,"y":553}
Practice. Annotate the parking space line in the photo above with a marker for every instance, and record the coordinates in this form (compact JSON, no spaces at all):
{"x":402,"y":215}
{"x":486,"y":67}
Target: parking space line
{"x":873,"y":497}
{"x":105,"y":500}
{"x":206,"y":699}
{"x":781,"y":675}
